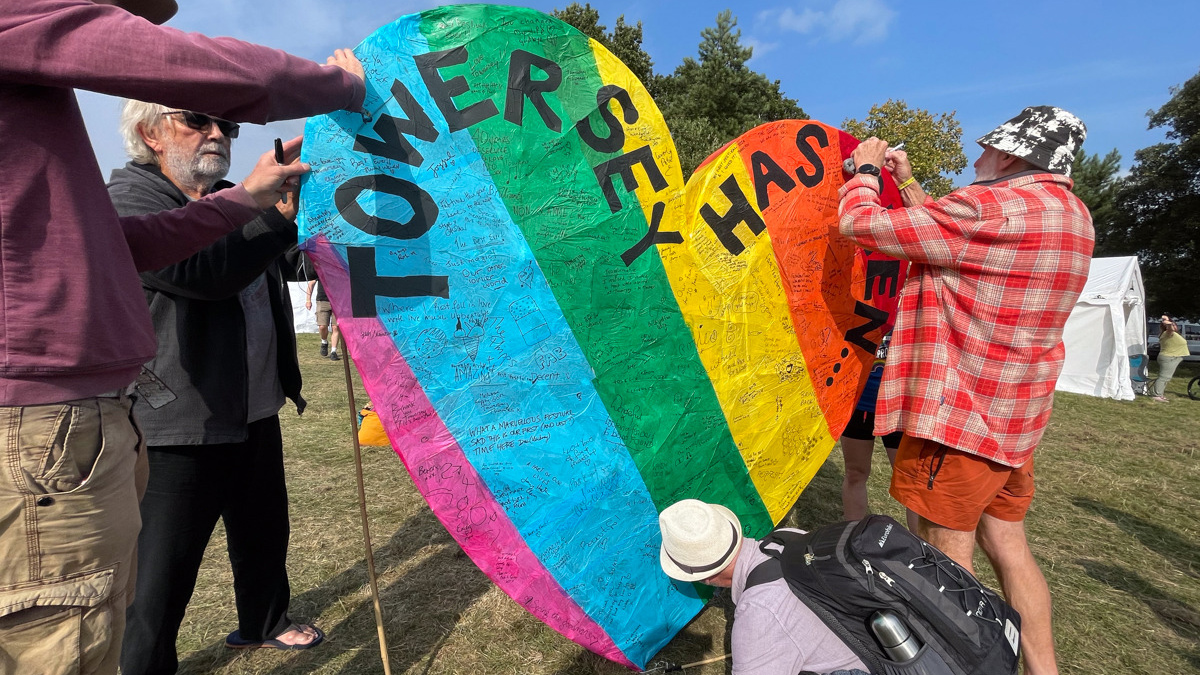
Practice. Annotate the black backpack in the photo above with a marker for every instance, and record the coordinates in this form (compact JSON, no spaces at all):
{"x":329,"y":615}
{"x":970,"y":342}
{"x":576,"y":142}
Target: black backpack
{"x":845,"y":572}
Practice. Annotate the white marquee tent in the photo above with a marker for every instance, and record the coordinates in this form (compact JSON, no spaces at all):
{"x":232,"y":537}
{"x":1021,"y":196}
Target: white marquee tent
{"x":1107,"y":326}
{"x":305,"y":319}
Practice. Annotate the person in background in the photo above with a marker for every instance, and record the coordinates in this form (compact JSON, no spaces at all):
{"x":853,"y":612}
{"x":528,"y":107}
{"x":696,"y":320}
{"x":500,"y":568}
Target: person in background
{"x":327,"y":326}
{"x":1172,"y":348}
{"x":76,"y":328}
{"x":858,"y":442}
{"x":996,"y":268}
{"x":774,"y":632}
{"x":227,"y":349}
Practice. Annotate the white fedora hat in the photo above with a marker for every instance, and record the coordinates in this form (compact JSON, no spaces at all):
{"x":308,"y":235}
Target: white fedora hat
{"x":698,"y":539}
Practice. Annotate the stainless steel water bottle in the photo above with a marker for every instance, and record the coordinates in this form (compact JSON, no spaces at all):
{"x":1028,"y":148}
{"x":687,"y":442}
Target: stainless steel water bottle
{"x":894,"y":636}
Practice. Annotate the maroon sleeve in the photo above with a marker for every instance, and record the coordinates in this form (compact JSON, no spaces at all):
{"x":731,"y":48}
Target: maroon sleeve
{"x":160,"y":239}
{"x":82,"y":45}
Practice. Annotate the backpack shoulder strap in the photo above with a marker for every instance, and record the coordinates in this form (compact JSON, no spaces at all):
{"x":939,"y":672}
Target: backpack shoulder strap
{"x":767,"y":571}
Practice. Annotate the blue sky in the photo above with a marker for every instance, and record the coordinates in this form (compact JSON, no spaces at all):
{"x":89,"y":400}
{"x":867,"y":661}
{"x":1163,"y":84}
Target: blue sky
{"x":1108,"y":62}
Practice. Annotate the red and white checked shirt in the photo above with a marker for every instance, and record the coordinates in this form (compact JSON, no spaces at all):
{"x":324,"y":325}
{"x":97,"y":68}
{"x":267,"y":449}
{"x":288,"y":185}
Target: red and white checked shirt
{"x":977,"y":346}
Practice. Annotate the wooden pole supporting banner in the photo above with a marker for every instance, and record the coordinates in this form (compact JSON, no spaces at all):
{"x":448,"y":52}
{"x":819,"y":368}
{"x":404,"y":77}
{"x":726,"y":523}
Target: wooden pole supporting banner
{"x":362,"y":508}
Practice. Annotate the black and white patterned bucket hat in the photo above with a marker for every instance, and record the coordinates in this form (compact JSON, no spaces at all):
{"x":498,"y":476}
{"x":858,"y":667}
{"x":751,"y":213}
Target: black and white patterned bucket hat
{"x":1045,"y":136}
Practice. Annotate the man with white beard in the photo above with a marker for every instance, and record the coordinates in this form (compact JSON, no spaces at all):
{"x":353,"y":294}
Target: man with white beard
{"x":227,"y":350}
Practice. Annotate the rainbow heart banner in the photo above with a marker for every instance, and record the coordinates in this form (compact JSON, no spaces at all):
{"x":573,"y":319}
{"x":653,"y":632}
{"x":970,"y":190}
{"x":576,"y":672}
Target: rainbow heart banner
{"x":494,"y":242}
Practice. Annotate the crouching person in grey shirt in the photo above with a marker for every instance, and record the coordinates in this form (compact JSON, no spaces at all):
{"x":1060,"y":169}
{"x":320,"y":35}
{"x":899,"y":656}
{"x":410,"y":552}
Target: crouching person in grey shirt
{"x":774,"y":633}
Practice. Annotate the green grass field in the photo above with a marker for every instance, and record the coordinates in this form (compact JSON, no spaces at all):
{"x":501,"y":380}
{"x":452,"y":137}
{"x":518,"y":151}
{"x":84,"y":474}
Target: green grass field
{"x":1115,"y":525}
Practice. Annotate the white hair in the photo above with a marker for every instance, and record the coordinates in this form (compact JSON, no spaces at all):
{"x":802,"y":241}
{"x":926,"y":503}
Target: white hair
{"x":135,"y":115}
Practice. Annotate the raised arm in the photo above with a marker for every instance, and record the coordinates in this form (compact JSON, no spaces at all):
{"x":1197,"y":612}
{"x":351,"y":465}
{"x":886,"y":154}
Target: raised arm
{"x":82,"y":45}
{"x":1168,"y":326}
{"x":222,"y":268}
{"x":911,"y":193}
{"x":935,"y":233}
{"x":160,"y":238}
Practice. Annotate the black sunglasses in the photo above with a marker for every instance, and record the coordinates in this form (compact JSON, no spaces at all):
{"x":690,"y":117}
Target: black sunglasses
{"x":202,"y":123}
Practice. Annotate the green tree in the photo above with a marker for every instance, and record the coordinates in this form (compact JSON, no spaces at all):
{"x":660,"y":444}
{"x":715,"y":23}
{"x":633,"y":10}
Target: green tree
{"x":933,"y":142}
{"x":1096,"y":184}
{"x":1158,"y":206}
{"x":624,"y":41}
{"x":711,"y":100}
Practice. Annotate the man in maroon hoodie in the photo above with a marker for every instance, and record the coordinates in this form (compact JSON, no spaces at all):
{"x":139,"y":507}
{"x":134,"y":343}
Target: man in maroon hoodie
{"x":74,"y":325}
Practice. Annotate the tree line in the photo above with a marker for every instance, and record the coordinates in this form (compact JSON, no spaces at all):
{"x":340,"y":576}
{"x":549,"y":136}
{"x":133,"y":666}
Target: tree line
{"x":1152,"y":213}
{"x":715,"y":97}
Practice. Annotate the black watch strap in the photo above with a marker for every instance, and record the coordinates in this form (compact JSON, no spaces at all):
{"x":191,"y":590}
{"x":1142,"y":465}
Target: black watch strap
{"x":872,"y":170}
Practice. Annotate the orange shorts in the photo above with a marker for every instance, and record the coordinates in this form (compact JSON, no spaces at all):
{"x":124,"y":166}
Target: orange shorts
{"x":953,"y":488}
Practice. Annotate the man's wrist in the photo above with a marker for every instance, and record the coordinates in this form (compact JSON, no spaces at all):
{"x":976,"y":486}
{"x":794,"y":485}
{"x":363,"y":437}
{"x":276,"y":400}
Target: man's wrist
{"x":906,"y":183}
{"x":875,"y":186}
{"x":873,"y":171}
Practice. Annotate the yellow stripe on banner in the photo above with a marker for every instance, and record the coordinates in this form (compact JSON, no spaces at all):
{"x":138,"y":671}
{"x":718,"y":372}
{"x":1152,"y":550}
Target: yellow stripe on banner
{"x":689,"y":451}
{"x":649,"y":130}
{"x":738,"y":312}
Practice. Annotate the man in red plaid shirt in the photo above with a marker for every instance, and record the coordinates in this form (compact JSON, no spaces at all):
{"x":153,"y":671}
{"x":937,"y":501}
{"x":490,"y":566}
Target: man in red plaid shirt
{"x":977,"y":348}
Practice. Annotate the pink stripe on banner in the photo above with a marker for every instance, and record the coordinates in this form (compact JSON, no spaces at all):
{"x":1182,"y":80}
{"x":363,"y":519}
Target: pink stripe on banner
{"x":444,"y":475}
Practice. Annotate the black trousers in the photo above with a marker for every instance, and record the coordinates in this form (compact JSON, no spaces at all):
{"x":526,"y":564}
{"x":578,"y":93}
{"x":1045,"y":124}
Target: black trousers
{"x":190,"y":487}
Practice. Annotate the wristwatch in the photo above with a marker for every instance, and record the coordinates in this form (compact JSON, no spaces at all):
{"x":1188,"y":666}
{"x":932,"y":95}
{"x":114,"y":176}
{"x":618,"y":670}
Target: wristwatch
{"x":872,"y":170}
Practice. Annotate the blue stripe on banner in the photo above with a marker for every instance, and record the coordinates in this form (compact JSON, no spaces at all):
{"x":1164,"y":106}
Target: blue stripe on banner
{"x":499,"y":362}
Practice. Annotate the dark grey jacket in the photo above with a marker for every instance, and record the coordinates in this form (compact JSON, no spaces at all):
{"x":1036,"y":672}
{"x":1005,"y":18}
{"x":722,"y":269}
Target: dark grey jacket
{"x":198,"y":317}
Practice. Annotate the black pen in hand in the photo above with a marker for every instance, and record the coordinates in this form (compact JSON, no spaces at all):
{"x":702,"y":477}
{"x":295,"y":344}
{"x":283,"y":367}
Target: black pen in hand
{"x":279,"y":160}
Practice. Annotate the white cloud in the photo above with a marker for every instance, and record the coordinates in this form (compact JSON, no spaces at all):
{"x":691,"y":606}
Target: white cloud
{"x":760,"y":48}
{"x":857,"y":21}
{"x":804,"y":22}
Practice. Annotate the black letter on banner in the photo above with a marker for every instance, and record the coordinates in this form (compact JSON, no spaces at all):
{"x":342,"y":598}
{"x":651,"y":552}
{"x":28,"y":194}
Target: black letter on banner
{"x":766,"y":171}
{"x":806,"y":132}
{"x":881,"y":278}
{"x":623,"y":165}
{"x":616,"y":133}
{"x":391,"y":129}
{"x":444,"y":91}
{"x":425,"y":211}
{"x":875,"y":319}
{"x":739,"y":212}
{"x":366,"y":285}
{"x":653,"y":237}
{"x":522,"y":84}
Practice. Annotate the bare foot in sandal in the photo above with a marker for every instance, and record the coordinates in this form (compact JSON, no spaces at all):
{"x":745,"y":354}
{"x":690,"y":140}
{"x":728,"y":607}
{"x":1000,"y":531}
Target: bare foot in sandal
{"x":295,"y":637}
{"x":297,"y":634}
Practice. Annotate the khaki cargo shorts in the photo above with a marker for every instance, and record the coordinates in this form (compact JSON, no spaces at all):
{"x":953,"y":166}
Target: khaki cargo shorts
{"x":71,"y":477}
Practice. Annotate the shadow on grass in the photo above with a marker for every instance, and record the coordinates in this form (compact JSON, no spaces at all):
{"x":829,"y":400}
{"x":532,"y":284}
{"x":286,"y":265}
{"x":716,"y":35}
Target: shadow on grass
{"x":728,"y":631}
{"x":693,"y":643}
{"x":421,"y":609}
{"x":1182,"y":553}
{"x":1181,"y":618}
{"x":821,"y":502}
{"x":406,"y":602}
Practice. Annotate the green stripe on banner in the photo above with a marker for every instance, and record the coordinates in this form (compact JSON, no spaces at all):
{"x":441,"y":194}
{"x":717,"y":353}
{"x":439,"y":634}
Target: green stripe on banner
{"x":625,"y":318}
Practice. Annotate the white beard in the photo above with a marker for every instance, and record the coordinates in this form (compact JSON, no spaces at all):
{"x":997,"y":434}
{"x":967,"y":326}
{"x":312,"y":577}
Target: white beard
{"x":200,"y":170}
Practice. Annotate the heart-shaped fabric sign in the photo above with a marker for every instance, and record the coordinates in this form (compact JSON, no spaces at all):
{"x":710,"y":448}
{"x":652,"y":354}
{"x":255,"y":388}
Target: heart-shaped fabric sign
{"x":494,"y":241}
